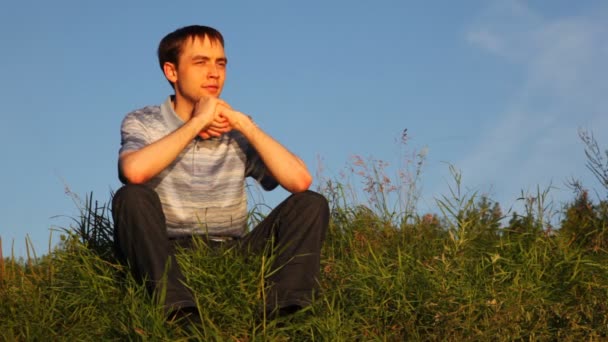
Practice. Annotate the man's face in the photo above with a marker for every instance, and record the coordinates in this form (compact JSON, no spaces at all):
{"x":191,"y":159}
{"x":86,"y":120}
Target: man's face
{"x":201,"y":69}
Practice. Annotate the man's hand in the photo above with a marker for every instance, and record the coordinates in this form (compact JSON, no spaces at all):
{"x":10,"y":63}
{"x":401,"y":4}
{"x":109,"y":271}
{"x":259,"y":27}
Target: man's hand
{"x":138,"y":167}
{"x":207,"y":110}
{"x":289,"y":170}
{"x":216,"y":129}
{"x":234,"y":119}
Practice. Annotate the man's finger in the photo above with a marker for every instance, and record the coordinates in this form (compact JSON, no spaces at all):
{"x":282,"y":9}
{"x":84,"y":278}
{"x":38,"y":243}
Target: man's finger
{"x":217,"y":125}
{"x":223,"y":103}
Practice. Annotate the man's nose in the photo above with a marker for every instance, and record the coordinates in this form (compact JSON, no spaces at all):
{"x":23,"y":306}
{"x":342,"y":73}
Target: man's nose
{"x":213,"y":71}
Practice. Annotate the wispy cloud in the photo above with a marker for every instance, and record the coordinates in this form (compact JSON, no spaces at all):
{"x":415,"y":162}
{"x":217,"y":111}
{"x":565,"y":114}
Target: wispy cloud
{"x":534,"y":140}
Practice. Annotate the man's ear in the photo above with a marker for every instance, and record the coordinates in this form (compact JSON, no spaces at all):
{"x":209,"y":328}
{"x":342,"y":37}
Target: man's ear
{"x":170,"y":71}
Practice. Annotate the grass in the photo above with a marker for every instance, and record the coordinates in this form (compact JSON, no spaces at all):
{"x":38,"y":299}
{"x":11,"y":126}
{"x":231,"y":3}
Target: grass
{"x":420,"y":281}
{"x":461,"y":275}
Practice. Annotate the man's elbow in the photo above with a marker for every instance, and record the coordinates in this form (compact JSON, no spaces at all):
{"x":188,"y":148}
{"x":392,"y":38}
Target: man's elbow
{"x":135,"y":180}
{"x":131,"y":175}
{"x":302,"y":184}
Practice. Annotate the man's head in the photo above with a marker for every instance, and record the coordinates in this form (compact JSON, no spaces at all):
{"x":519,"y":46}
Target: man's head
{"x":193,"y":61}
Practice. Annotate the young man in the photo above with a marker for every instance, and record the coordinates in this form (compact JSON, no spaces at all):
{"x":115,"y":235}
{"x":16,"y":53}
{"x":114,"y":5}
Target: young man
{"x":184,"y":165}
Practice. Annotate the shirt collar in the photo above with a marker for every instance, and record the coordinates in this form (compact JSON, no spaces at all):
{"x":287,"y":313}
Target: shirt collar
{"x":168,"y":113}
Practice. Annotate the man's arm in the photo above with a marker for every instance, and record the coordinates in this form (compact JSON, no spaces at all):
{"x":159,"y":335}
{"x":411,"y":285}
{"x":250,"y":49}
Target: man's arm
{"x":139,"y":166}
{"x":289,"y":170}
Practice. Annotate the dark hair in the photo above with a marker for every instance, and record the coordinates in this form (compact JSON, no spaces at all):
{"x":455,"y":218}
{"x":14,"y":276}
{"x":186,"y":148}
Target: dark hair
{"x":170,"y":47}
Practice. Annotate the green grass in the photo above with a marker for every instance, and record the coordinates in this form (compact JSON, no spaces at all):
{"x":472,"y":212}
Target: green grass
{"x":387,"y":274}
{"x":456,"y":278}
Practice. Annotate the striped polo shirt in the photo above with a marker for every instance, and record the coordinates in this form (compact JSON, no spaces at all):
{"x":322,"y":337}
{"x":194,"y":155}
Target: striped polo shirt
{"x":203,"y":190}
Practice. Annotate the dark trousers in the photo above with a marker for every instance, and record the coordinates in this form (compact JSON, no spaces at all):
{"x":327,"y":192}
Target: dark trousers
{"x":296,"y":228}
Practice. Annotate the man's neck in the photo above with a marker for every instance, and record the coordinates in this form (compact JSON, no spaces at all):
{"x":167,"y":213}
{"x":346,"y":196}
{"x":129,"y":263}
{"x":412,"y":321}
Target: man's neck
{"x":182,"y":107}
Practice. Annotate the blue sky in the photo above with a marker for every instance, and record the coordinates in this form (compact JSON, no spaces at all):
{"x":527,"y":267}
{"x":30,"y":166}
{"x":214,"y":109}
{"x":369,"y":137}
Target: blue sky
{"x":496,"y":88}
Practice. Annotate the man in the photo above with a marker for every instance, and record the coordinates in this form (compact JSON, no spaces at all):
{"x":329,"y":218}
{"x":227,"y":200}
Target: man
{"x":184,"y":165}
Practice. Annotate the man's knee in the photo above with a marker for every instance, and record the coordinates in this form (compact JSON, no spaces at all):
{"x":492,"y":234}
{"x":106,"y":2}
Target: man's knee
{"x":134,"y":198}
{"x":132,"y":194}
{"x":136,"y":209}
{"x":312,"y":203}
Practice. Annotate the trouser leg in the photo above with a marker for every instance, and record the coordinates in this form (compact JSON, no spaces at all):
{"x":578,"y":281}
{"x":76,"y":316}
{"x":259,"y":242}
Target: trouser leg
{"x":297,"y":229}
{"x":140,"y":239}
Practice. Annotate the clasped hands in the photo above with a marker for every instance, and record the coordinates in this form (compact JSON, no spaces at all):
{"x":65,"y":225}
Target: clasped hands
{"x":218,"y":117}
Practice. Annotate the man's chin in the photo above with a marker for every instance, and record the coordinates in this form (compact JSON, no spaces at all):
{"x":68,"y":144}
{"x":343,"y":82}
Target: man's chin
{"x":214,"y":94}
{"x":205,"y":96}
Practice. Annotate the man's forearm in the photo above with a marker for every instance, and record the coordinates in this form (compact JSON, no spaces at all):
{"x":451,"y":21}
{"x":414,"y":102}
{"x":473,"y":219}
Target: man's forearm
{"x":140,"y":166}
{"x":289,"y":170}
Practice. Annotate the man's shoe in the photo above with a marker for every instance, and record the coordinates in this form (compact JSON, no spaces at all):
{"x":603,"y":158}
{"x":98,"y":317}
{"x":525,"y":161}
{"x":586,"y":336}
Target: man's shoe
{"x":186,"y":317}
{"x":281,"y":312}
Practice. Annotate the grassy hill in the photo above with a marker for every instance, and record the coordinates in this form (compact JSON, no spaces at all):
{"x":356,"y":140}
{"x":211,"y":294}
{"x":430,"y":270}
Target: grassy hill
{"x":387,"y":274}
{"x":464,"y":276}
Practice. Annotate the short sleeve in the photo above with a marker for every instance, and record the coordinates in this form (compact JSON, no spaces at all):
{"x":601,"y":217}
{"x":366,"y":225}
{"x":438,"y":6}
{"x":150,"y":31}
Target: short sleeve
{"x":133,"y":134}
{"x":257,"y":170}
